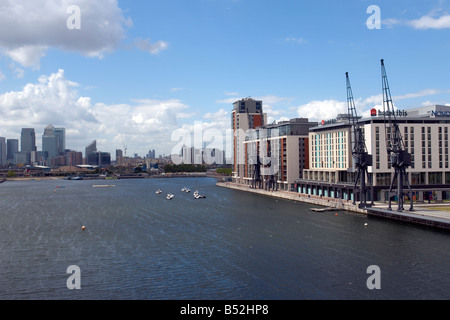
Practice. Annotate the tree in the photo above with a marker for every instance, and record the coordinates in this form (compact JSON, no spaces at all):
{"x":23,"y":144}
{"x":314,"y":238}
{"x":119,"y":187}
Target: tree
{"x":11,"y":174}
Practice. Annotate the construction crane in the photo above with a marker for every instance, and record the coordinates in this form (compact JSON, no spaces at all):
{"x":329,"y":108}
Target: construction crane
{"x":399,"y":158}
{"x":124,"y":146}
{"x":361,"y":158}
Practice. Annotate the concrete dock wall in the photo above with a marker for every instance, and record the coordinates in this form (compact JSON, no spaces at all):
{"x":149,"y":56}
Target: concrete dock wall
{"x":314,"y":200}
{"x":418,"y":216}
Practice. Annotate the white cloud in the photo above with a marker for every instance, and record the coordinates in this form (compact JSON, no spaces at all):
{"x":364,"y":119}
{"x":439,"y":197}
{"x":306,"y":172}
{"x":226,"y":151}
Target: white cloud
{"x":230,"y":94}
{"x":296,"y":40}
{"x":27,"y":56}
{"x":29,"y":28}
{"x":54,"y":100}
{"x":428,"y":22}
{"x":228,"y":100}
{"x":320,"y":110}
{"x":390,"y":22}
{"x":153,"y":48}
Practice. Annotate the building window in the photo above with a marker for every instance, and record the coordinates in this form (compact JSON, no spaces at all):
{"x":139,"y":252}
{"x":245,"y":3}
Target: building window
{"x":435,"y":178}
{"x":417,"y":178}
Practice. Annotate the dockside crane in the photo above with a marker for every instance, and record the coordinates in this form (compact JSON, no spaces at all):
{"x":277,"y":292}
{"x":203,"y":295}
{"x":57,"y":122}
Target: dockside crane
{"x":399,"y":158}
{"x":256,"y":175}
{"x":361,"y":158}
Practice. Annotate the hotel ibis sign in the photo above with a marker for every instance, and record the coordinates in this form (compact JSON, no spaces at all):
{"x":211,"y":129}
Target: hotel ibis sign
{"x":398,"y":113}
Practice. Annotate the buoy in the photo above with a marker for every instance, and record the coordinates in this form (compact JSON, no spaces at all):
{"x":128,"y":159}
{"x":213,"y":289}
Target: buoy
{"x":83,"y":228}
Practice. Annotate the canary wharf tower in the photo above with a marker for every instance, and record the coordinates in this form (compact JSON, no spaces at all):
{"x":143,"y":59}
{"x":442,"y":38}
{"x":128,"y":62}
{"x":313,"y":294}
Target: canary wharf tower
{"x":53,"y":141}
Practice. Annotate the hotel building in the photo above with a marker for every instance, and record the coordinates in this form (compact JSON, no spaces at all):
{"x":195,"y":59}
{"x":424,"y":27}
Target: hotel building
{"x":425,"y":132}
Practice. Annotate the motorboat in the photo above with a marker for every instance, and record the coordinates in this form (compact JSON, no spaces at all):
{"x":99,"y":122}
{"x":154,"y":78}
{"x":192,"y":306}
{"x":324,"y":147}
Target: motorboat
{"x":158,"y":191}
{"x":198,"y":195}
{"x":169,"y":196}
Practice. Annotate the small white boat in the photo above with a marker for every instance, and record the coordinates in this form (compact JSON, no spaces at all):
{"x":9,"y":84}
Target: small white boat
{"x":169,"y":196}
{"x":198,"y":195}
{"x":187,"y":190}
{"x":158,"y":191}
{"x":184,"y":189}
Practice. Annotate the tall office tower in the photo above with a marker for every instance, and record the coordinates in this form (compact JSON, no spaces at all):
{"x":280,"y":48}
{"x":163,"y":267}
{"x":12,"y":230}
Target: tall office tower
{"x":12,"y":146}
{"x":3,"y":160}
{"x":247,"y":114}
{"x":90,"y":153}
{"x":151,"y":154}
{"x":91,"y":148}
{"x":54,"y":141}
{"x":27,"y":143}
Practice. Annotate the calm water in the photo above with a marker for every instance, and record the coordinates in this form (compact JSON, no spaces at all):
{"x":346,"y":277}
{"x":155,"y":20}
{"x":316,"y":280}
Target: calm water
{"x":231,"y":245}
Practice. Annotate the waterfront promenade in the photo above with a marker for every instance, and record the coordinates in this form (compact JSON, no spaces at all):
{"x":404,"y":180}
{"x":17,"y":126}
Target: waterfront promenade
{"x":424,"y":214}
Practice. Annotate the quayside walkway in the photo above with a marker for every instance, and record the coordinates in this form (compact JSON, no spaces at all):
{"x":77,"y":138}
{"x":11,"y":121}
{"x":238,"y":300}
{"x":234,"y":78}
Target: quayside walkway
{"x":424,"y":214}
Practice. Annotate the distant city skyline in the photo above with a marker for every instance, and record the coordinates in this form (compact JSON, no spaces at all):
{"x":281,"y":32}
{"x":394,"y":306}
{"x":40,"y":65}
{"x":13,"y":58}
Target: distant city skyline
{"x":53,"y":142}
{"x":163,"y":65}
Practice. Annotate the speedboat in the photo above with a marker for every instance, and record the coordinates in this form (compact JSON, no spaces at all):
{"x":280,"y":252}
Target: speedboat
{"x":169,"y":196}
{"x":198,"y":195}
{"x":158,"y":191}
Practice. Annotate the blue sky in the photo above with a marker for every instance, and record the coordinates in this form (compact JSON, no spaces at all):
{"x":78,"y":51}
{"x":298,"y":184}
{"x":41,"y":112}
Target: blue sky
{"x":137,"y":70}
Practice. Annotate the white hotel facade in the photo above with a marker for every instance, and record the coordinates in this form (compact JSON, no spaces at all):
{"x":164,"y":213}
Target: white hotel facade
{"x":425,"y":132}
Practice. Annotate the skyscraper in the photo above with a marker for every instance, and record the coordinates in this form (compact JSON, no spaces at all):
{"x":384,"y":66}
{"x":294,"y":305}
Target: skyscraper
{"x":3,"y":159}
{"x":91,"y":148}
{"x":28,"y":140}
{"x":27,"y":145}
{"x":12,"y":146}
{"x":247,"y":114}
{"x":53,"y":141}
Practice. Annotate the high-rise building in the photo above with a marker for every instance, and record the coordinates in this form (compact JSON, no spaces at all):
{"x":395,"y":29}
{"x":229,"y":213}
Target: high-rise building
{"x":28,"y":140}
{"x":12,"y":146}
{"x":119,"y":153}
{"x":151,"y":154}
{"x":3,"y":159}
{"x":247,"y":114}
{"x":53,"y":141}
{"x":94,"y":157}
{"x":27,"y":144}
{"x":91,"y":148}
{"x":60,"y":134}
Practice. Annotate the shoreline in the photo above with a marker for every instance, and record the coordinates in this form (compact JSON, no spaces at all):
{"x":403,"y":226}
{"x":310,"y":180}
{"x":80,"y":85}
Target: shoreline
{"x":336,"y":204}
{"x":158,"y":176}
{"x":423,"y":214}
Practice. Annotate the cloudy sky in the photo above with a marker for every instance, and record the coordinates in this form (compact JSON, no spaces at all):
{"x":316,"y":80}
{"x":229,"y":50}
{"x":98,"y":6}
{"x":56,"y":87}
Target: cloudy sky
{"x":131,"y":73}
